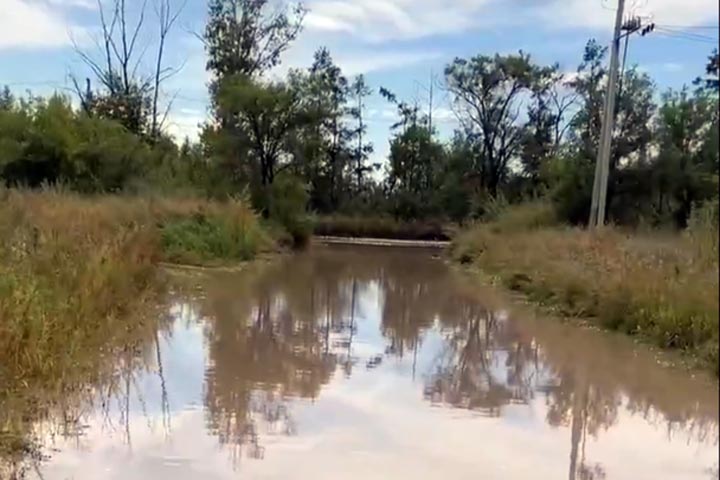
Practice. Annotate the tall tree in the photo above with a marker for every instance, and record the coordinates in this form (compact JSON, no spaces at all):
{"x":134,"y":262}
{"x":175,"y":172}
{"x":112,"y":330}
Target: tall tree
{"x":488,"y":99}
{"x":415,"y":158}
{"x":359,"y":91}
{"x":246,"y":37}
{"x":266,"y":114}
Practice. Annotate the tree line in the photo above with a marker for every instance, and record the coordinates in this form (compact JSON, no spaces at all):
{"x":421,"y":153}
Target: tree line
{"x":525,"y":131}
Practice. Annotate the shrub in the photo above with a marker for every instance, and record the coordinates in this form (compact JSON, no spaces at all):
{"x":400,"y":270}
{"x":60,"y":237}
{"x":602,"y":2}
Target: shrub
{"x":287,"y":203}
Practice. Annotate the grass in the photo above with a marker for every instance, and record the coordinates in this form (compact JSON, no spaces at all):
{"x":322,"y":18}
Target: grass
{"x":76,"y":272}
{"x":662,"y":287}
{"x":380,"y":227}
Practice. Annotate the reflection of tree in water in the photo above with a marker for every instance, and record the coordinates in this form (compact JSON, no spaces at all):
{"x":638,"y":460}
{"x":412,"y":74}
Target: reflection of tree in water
{"x":481,"y":367}
{"x":60,"y":408}
{"x":286,"y":336}
{"x":276,"y":339}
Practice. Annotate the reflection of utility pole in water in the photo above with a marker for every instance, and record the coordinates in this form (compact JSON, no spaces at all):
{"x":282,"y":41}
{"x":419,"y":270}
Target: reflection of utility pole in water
{"x":327,"y":320}
{"x":165,"y":402}
{"x":415,"y":349}
{"x":128,"y":372}
{"x":352,"y":318}
{"x":579,"y":421}
{"x":578,"y":437}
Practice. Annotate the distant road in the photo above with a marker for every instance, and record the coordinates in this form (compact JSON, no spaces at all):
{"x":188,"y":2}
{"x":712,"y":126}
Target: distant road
{"x":379,"y":242}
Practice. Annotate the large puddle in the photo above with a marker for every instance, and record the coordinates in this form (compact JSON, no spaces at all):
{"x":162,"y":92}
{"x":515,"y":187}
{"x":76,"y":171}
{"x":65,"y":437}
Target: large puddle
{"x":373,"y":363}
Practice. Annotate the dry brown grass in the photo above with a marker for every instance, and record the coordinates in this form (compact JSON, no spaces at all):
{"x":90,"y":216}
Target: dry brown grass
{"x":79,"y":290}
{"x":664,"y":288}
{"x":71,"y":266}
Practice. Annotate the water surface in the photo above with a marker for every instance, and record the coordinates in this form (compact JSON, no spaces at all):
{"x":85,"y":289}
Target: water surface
{"x":373,"y":363}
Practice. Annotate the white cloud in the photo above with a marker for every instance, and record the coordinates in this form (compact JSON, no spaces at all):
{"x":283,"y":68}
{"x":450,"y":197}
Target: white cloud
{"x":672,"y":67}
{"x":353,"y":61}
{"x":600,"y":14}
{"x":26,"y":24}
{"x":185,"y":122}
{"x":86,"y":4}
{"x":382,"y":20}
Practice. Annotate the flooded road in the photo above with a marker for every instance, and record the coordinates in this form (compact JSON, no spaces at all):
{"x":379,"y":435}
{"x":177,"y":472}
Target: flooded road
{"x":375,"y":363}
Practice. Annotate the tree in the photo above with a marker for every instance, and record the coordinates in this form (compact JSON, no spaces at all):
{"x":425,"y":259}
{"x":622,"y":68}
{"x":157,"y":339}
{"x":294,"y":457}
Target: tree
{"x":253,"y":119}
{"x":329,"y":93}
{"x":488,"y":97}
{"x":264,"y":115}
{"x":415,"y":157}
{"x":551,"y":102}
{"x":126,"y":94}
{"x":359,"y":91}
{"x":685,"y":165}
{"x":631,"y":139}
{"x":711,"y":82}
{"x":243,"y":37}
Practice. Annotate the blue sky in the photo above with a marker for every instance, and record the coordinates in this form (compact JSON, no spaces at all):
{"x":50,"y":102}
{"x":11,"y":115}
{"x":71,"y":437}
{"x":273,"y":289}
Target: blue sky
{"x":395,"y":43}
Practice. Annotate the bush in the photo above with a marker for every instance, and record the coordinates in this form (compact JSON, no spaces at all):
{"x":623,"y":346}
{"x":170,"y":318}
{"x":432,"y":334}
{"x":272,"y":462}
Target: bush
{"x":287,"y":206}
{"x":233,"y":234}
{"x":525,"y":216}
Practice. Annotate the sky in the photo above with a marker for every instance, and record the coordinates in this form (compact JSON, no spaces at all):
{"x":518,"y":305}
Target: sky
{"x":402,"y":45}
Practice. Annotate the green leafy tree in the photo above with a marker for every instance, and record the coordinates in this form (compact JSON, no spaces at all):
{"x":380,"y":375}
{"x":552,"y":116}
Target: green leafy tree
{"x":263,"y":115}
{"x":488,"y":95}
{"x":359,"y":91}
{"x":247,"y":37}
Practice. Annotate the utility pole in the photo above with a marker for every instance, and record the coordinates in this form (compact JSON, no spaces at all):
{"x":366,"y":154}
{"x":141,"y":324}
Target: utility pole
{"x":599,"y":198}
{"x":430,"y":109}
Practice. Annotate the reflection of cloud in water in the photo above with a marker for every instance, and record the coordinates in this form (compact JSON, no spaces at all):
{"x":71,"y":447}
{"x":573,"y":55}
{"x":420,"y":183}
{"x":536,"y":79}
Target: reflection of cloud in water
{"x":348,"y":363}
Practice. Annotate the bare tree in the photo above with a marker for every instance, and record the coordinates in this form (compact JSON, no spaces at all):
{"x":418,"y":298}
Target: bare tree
{"x":125,"y":93}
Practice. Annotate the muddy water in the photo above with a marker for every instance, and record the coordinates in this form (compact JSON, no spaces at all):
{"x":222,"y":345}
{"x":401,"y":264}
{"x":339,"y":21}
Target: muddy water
{"x":372,"y":363}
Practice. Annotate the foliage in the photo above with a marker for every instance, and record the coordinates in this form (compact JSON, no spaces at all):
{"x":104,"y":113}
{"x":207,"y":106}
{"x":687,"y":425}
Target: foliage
{"x":380,"y":227}
{"x":229,"y":233}
{"x":288,"y":197}
{"x":46,"y":141}
{"x":526,"y":132}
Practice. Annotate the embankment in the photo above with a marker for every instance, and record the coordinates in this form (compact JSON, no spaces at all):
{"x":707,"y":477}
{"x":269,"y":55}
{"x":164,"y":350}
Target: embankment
{"x":662,"y":287}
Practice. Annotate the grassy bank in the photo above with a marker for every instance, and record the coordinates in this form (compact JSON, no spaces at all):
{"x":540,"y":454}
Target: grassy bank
{"x":79,"y":288}
{"x":70,"y":266}
{"x":660,"y":286}
{"x":381,"y":227}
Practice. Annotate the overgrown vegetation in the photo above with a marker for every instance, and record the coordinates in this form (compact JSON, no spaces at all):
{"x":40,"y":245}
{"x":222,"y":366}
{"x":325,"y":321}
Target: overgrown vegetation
{"x":661,"y":287}
{"x":70,"y":266}
{"x":296,"y":147}
{"x":381,"y":227}
{"x":526,"y":131}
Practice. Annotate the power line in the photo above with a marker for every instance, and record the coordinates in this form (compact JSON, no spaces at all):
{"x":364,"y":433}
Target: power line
{"x":677,"y":35}
{"x":687,"y":34}
{"x":688,"y":27}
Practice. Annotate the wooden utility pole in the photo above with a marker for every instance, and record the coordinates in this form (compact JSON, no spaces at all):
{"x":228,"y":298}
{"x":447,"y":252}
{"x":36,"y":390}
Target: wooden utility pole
{"x":602,"y":166}
{"x":430,"y":109}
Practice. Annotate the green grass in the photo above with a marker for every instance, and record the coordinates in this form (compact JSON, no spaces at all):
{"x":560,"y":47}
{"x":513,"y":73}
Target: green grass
{"x":203,"y":239}
{"x":661,"y":287}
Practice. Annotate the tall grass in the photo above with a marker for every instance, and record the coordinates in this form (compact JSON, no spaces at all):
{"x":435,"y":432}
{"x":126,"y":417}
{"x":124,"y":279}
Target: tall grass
{"x":78,"y":286}
{"x":661,"y":287}
{"x":71,"y":265}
